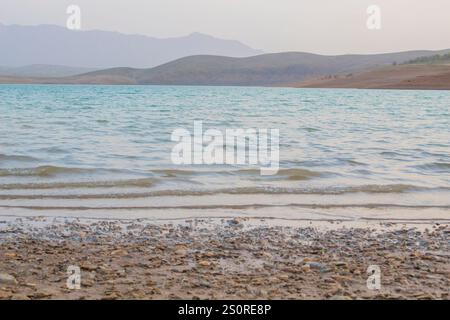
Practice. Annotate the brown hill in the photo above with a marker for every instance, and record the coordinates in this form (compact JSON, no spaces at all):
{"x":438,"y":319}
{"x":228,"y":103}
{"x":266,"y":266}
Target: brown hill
{"x":279,"y":69}
{"x":410,"y":76}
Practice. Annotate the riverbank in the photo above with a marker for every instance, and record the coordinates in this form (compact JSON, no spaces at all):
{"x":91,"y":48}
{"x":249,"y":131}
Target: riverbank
{"x":221,"y":259}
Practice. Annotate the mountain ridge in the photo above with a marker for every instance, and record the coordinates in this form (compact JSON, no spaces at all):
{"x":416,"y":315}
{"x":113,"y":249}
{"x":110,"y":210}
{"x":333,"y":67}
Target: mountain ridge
{"x":56,"y":45}
{"x":43,"y":70}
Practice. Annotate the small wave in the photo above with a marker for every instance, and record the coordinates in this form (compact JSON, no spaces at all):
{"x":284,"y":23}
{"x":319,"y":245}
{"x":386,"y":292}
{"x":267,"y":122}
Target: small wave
{"x":298,"y":174}
{"x":435,"y":166}
{"x":5,"y":157}
{"x":180,"y":193}
{"x":392,"y":154}
{"x":354,"y":163}
{"x":284,"y":174}
{"x":294,"y":174}
{"x":42,"y":171}
{"x":52,"y":150}
{"x":310,"y":129}
{"x":397,"y":188}
{"x":139,"y":183}
{"x":172,"y":173}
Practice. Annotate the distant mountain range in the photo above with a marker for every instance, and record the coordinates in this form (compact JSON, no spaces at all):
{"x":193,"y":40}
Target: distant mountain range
{"x":55,"y":45}
{"x":53,"y":54}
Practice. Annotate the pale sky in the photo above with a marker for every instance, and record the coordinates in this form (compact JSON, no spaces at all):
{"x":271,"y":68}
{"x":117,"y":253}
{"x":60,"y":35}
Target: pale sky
{"x":318,"y":26}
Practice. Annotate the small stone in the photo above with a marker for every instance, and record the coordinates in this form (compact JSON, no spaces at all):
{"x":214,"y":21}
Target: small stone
{"x":181,"y":252}
{"x":82,"y":234}
{"x":267,"y":255}
{"x":317,"y":266}
{"x":424,"y":296}
{"x":204,"y":263}
{"x":10,"y":255}
{"x":88,"y":283}
{"x":306,"y":268}
{"x":21,"y":297}
{"x":119,"y":252}
{"x":5,"y":295}
{"x":336,"y":297}
{"x":30,"y":285}
{"x":341,"y":264}
{"x":234,"y":223}
{"x":89,"y":267}
{"x":111,"y":296}
{"x":283,"y":277}
{"x":7,"y":279}
{"x":45,"y":293}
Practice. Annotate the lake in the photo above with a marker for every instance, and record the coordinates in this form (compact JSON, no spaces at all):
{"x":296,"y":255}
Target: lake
{"x":106,"y":151}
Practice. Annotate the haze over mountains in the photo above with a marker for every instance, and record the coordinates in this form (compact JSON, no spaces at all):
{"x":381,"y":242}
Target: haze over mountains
{"x":55,"y":45}
{"x":43,"y":70}
{"x":54,"y":55}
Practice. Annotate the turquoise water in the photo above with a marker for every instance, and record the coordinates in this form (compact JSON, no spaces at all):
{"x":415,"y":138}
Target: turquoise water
{"x":63,"y":143}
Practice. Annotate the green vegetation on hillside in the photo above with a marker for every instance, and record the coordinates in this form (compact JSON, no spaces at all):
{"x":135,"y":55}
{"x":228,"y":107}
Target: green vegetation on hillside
{"x":436,"y":59}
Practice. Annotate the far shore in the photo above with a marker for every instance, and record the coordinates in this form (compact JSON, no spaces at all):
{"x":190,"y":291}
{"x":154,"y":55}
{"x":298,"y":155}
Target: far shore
{"x":400,"y":77}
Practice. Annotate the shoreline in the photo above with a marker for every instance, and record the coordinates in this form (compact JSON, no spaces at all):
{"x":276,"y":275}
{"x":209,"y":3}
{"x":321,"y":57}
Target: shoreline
{"x":310,"y":84}
{"x":236,"y":258}
{"x":416,"y":77}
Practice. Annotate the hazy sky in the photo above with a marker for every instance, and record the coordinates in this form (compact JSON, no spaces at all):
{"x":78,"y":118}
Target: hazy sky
{"x":320,"y":26}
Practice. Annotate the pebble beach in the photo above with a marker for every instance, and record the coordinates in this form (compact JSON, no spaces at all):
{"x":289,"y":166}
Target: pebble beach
{"x":221,"y":259}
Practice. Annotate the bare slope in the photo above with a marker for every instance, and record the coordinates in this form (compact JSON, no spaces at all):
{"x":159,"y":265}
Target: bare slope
{"x":278,"y":69}
{"x":261,"y":70}
{"x":410,"y":76}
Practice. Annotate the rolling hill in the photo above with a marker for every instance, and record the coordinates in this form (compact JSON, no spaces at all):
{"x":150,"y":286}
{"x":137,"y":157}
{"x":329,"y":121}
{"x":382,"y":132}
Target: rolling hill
{"x":408,"y":76}
{"x":279,"y":69}
{"x":262,"y":70}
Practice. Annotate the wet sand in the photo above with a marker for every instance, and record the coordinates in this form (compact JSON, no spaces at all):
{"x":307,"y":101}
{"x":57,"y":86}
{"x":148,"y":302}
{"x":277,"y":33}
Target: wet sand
{"x":222,"y":259}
